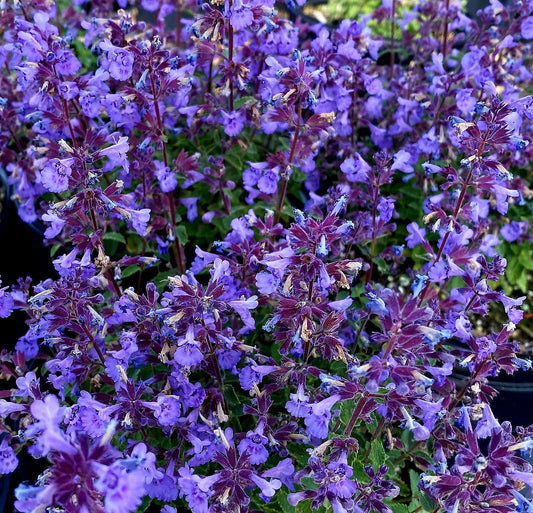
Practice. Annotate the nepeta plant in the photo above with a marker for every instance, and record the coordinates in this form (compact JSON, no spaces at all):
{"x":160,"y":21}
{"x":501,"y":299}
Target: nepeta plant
{"x":274,"y":244}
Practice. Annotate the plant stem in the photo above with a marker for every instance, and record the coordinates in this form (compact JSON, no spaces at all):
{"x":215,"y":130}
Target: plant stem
{"x":307,"y":345}
{"x":393,"y":26}
{"x":456,"y":211}
{"x":283,"y":192}
{"x":170,"y":197}
{"x":355,"y":415}
{"x":178,"y":22}
{"x":230,"y":58}
{"x":445,"y":34}
{"x":69,"y":124}
{"x":375,"y":197}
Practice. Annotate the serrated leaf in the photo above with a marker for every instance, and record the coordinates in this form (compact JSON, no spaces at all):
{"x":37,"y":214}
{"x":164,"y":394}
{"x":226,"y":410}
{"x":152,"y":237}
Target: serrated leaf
{"x":427,"y":503}
{"x":347,"y":408}
{"x":377,"y":456}
{"x":413,"y":480}
{"x":117,"y":237}
{"x":282,"y":503}
{"x":399,"y":508}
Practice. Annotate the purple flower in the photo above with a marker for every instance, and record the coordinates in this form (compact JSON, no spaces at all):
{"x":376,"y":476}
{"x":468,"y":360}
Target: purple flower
{"x":266,"y":282}
{"x":168,"y":411}
{"x":233,"y":122}
{"x":8,"y":460}
{"x":512,"y":231}
{"x":254,"y":445}
{"x":243,"y":307}
{"x":167,"y":178}
{"x":68,"y":90}
{"x":189,"y":487}
{"x":55,"y":174}
{"x":355,"y":168}
{"x":268,"y":183}
{"x":28,"y":345}
{"x":188,"y":352}
{"x":191,"y":205}
{"x":7,"y":304}
{"x":526,"y":28}
{"x":317,"y":421}
{"x":416,"y":235}
{"x":119,"y":61}
{"x":298,"y":406}
{"x":117,"y":154}
{"x":150,"y":5}
{"x":123,"y":490}
{"x":139,"y":220}
{"x":241,"y":17}
{"x":402,"y":162}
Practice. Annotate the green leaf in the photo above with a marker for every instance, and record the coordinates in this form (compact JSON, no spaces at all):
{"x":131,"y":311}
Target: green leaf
{"x":117,"y":237}
{"x":378,"y":456}
{"x":235,"y":158}
{"x":426,"y":502}
{"x":181,"y":234}
{"x":347,"y":407}
{"x":522,"y":282}
{"x":524,"y":257}
{"x":147,"y":501}
{"x":239,"y":102}
{"x":161,"y":280}
{"x":130,"y":270}
{"x":134,"y":244}
{"x":399,"y":508}
{"x":54,"y":249}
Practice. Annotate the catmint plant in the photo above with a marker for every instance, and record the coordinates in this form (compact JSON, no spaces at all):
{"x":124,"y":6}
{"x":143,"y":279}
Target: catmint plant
{"x":290,"y":257}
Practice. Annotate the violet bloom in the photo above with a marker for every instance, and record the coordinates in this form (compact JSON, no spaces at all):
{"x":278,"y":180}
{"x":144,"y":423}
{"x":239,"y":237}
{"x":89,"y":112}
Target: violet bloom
{"x":189,"y":487}
{"x":233,"y":122}
{"x":266,"y":282}
{"x":139,"y":220}
{"x":254,"y":445}
{"x":355,"y":168}
{"x":243,"y":307}
{"x":167,"y":178}
{"x":318,"y":421}
{"x":68,"y":90}
{"x":8,"y":460}
{"x":241,"y":17}
{"x":526,"y":28}
{"x":7,"y":304}
{"x":117,"y":154}
{"x":168,"y":410}
{"x":510,"y":232}
{"x":188,"y":352}
{"x":268,"y":183}
{"x":298,"y":406}
{"x":122,"y":490}
{"x":55,"y":174}
{"x":119,"y":61}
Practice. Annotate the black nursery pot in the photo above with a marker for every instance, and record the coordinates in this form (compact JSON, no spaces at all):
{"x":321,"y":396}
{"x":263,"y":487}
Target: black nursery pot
{"x":515,"y":393}
{"x":22,"y":254}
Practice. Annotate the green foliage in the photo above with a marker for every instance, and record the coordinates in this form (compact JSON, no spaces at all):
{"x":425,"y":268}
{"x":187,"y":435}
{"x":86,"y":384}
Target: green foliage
{"x":519,"y":266}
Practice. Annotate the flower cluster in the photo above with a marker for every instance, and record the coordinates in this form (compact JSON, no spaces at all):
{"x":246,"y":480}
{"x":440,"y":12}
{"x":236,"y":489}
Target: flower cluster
{"x":277,"y":244}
